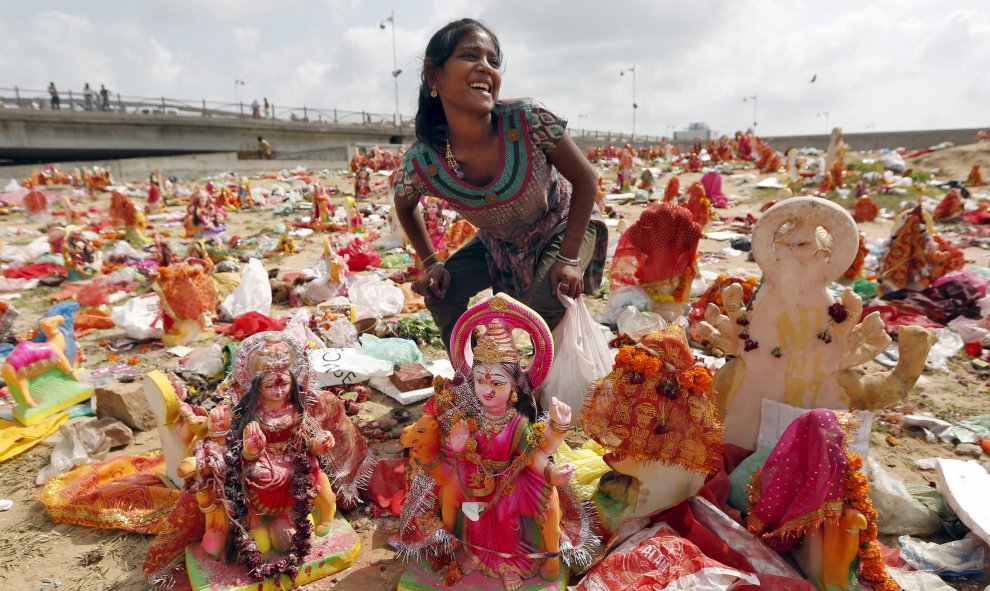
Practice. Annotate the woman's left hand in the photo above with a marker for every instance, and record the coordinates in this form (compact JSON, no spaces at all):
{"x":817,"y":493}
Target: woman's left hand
{"x":560,"y":412}
{"x":566,"y":279}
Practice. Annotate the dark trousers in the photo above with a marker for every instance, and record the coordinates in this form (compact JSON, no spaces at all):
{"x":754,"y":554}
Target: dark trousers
{"x":468,"y":270}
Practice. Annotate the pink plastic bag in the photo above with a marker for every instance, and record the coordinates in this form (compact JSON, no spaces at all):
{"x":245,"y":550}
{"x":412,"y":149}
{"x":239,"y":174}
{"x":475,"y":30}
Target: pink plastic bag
{"x":360,"y":255}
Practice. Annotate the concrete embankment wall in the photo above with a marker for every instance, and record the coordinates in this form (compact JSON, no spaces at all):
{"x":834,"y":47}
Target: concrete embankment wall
{"x":189,"y":167}
{"x":911,"y":140}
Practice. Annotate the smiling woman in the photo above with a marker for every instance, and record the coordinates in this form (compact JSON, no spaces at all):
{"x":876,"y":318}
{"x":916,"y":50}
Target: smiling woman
{"x":509,"y":168}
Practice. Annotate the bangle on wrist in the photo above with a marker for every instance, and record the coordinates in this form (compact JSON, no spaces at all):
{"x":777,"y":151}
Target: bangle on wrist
{"x":433,"y":266}
{"x":558,"y":427}
{"x":435,"y":253}
{"x":567,"y":260}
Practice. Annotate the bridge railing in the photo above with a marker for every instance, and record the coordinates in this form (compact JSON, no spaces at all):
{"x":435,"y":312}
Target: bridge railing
{"x":75,"y":100}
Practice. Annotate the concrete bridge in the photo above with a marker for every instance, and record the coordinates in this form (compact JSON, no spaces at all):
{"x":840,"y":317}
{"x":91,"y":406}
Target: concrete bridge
{"x":28,"y":135}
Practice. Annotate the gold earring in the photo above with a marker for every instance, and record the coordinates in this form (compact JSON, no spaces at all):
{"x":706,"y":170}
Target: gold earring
{"x":513,"y":398}
{"x":433,"y":92}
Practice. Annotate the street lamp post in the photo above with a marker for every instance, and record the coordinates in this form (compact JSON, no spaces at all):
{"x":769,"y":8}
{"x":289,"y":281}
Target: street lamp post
{"x":395,"y":65}
{"x":752,"y":98}
{"x":237,"y":98}
{"x":825,"y":114}
{"x":623,"y":73}
{"x":583,"y":130}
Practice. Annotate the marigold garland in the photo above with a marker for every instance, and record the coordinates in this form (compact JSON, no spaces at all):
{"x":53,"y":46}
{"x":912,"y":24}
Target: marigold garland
{"x":638,"y":361}
{"x":871,"y":566}
{"x":696,"y":379}
{"x":536,"y":438}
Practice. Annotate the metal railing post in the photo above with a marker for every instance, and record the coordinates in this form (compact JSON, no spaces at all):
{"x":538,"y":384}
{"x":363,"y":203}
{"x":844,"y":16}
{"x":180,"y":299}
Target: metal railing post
{"x":204,"y":108}
{"x":335,"y":115}
{"x":72,"y":106}
{"x":163,"y":105}
{"x":305,"y":114}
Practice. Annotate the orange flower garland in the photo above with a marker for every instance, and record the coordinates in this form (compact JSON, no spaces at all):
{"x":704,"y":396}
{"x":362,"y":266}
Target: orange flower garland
{"x":857,"y":490}
{"x":696,"y":379}
{"x":638,"y":361}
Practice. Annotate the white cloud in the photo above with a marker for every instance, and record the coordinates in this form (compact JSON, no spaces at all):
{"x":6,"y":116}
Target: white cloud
{"x":892,"y":64}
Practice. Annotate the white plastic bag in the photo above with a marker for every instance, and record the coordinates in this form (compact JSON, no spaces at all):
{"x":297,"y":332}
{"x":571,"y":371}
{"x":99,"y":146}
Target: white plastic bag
{"x":254,"y":294}
{"x":140,"y":317}
{"x":374,"y":297}
{"x":900,"y":513}
{"x":634,"y":324}
{"x":581,"y":355}
{"x":948,"y":344}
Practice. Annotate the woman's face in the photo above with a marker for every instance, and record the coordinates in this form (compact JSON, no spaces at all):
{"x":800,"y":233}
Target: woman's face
{"x":493,"y":386}
{"x":470,"y":79}
{"x":275,"y":388}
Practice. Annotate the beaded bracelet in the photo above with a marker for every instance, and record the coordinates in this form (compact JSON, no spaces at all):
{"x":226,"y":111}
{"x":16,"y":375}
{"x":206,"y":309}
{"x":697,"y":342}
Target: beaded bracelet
{"x":566,"y":260}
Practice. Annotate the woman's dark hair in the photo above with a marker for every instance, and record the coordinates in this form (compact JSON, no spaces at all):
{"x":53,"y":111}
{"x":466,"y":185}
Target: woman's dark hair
{"x":431,"y":123}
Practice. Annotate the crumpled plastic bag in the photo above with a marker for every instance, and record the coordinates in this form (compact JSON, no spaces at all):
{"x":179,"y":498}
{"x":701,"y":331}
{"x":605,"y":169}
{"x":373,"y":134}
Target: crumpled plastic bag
{"x":581,"y":355}
{"x":341,"y":334}
{"x":140,"y":317}
{"x":659,"y":558}
{"x":397,"y":351}
{"x":961,"y":558}
{"x":205,"y":361}
{"x":620,"y":299}
{"x":82,"y":443}
{"x":360,"y":255}
{"x":634,"y":324}
{"x":899,"y":512}
{"x":298,"y":326}
{"x":949,"y":343}
{"x":22,"y":255}
{"x":893,"y":161}
{"x":374,"y":297}
{"x":589,"y":467}
{"x":254,"y":294}
{"x":971,"y":330}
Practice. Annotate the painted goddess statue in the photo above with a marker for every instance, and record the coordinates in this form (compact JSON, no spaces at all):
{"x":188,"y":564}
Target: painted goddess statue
{"x":487,"y":496}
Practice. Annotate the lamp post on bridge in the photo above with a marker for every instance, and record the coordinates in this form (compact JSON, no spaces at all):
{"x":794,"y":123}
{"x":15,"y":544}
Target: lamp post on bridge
{"x":237,"y":98}
{"x":395,"y":65}
{"x":755,"y":104}
{"x":634,"y":105}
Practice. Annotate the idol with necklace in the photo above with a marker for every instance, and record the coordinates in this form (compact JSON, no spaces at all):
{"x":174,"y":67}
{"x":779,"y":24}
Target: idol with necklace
{"x":503,"y":506}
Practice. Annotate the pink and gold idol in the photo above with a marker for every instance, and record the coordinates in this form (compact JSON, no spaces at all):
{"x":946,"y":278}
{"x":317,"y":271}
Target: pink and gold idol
{"x":266,"y":504}
{"x":488,"y":501}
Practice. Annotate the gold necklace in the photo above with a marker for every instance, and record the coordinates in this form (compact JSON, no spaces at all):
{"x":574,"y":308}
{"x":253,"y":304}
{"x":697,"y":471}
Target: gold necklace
{"x":452,"y":162}
{"x":493,"y":425}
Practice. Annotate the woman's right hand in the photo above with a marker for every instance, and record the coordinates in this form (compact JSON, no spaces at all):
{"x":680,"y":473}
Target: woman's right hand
{"x":458,"y":436}
{"x":254,"y":440}
{"x":434,"y":283}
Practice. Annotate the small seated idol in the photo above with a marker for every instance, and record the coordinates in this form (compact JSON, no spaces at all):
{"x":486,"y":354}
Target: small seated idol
{"x":263,"y":513}
{"x":654,"y":413}
{"x":916,"y":255}
{"x":950,"y":207}
{"x":975,"y":179}
{"x":189,"y":300}
{"x":485,"y":499}
{"x":82,"y":260}
{"x":659,"y":254}
{"x":123,"y":211}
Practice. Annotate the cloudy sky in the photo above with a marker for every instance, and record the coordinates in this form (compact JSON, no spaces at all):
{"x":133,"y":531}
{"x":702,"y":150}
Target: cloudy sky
{"x":883,"y":65}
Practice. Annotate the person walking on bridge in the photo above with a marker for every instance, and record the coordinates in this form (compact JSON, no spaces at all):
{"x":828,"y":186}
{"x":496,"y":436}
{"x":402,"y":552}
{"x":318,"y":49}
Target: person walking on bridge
{"x":87,"y":97}
{"x":54,"y":94}
{"x":104,"y":98}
